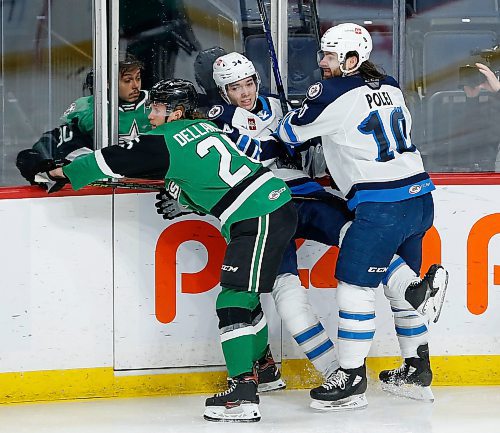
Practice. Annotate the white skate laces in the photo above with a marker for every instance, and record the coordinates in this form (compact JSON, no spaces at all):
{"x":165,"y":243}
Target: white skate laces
{"x":337,"y":380}
{"x":230,"y":389}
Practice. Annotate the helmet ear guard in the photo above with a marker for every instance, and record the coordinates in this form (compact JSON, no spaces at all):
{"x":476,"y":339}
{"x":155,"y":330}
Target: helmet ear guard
{"x":347,"y":38}
{"x":231,"y":68}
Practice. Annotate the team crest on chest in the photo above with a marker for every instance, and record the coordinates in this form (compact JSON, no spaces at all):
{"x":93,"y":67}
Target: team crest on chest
{"x":314,"y":90}
{"x":252,"y":126}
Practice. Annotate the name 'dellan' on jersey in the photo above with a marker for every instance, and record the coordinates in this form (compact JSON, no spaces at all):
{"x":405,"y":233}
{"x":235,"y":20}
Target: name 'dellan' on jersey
{"x":365,"y":129}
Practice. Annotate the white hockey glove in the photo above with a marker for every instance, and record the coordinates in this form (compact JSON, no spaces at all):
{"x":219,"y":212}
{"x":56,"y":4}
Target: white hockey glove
{"x":169,"y":207}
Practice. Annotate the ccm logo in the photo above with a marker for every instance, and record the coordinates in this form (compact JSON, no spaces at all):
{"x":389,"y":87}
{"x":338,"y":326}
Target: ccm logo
{"x":229,"y":268}
{"x":377,"y":270}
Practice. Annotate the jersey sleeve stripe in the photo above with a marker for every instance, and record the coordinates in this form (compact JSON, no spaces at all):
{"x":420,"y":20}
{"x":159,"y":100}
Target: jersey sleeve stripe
{"x":243,"y":143}
{"x":103,"y":166}
{"x":285,"y":125}
{"x":247,"y":192}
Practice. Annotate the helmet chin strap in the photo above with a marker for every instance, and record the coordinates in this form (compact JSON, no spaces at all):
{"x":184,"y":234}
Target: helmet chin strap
{"x":255,"y":102}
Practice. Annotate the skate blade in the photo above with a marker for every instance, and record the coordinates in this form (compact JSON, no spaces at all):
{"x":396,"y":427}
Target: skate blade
{"x":271,"y":386}
{"x":351,"y":403}
{"x":413,"y":392}
{"x":432,"y":308}
{"x":246,"y":412}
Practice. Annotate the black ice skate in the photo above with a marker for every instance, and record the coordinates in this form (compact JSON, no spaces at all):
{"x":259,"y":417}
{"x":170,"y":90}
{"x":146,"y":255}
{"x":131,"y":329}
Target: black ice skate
{"x":269,"y":374}
{"x":427,"y":295}
{"x":412,"y":379}
{"x":345,"y":389}
{"x":239,"y":403}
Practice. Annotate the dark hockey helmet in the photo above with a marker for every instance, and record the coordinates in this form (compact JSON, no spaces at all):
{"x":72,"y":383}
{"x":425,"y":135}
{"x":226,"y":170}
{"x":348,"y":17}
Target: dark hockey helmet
{"x":88,"y":84}
{"x":173,"y":93}
{"x":203,"y":67}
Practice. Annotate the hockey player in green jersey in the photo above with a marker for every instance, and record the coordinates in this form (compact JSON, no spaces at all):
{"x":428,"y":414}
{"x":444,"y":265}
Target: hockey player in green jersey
{"x":75,"y":136}
{"x":205,"y":172}
{"x":132,"y":111}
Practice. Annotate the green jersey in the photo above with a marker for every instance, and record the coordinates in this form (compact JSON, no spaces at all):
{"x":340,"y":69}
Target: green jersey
{"x":213,"y":175}
{"x":132,"y":117}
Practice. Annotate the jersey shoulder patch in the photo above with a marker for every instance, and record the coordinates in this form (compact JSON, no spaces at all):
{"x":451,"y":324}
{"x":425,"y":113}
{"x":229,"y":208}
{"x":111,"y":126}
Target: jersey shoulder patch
{"x":314,"y":90}
{"x":70,"y":109}
{"x":215,"y":112}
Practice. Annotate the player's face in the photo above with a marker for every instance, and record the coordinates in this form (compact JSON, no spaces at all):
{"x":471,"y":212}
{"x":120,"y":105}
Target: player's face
{"x":157,"y":115}
{"x":330,"y":65}
{"x":130,"y":85}
{"x":243,"y":93}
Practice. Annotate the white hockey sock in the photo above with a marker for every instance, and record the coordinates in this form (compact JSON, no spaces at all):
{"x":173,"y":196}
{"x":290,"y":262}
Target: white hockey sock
{"x":397,"y":279}
{"x":411,"y":328}
{"x":356,"y":323}
{"x":297,"y":314}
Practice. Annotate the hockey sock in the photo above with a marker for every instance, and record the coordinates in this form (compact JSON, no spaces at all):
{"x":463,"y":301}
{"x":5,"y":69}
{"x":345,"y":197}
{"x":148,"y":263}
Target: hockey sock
{"x":397,"y":279}
{"x":411,"y":328}
{"x":261,"y":329}
{"x":237,"y":333}
{"x":356,"y":323}
{"x":299,"y":318}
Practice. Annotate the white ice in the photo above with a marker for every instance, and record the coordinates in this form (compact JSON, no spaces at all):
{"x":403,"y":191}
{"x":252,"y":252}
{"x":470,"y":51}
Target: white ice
{"x":456,"y":410}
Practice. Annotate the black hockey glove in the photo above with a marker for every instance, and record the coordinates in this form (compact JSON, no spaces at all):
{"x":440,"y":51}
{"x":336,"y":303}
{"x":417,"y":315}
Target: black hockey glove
{"x":50,"y":183}
{"x":168,"y":206}
{"x":30,"y":162}
{"x":35,"y":169}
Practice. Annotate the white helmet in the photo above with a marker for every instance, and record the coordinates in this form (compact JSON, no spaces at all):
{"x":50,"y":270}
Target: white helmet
{"x":230,"y":68}
{"x":347,"y":37}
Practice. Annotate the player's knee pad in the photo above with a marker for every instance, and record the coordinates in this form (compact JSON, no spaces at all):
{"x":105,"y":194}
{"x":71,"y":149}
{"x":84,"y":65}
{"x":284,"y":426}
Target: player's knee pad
{"x":343,"y":231}
{"x":231,"y":316}
{"x":291,"y":298}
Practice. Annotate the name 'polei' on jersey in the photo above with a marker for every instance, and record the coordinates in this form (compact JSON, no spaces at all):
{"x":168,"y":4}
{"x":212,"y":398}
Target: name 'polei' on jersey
{"x":378,"y":99}
{"x":194,"y":132}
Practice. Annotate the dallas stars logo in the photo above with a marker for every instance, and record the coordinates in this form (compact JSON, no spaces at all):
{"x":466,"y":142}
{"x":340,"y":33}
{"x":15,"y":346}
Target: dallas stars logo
{"x":132,"y":133}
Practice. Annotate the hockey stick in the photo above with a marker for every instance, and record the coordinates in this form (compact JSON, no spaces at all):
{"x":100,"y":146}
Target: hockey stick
{"x":272,"y":54}
{"x":39,"y":178}
{"x":127,"y":185}
{"x":315,"y":22}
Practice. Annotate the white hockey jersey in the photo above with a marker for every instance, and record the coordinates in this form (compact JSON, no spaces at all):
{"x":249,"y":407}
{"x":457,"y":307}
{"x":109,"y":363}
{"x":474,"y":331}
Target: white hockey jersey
{"x":251,"y":131}
{"x":365,"y":129}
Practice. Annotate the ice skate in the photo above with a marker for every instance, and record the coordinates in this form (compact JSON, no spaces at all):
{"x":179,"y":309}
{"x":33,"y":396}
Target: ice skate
{"x":239,"y":403}
{"x":427,"y":295}
{"x":344,"y":390}
{"x":268,"y":374}
{"x":412,"y":379}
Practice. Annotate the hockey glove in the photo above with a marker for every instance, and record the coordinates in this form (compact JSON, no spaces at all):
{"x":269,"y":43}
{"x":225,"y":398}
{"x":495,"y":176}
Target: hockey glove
{"x":168,"y":206}
{"x":50,"y":183}
{"x":30,"y":162}
{"x":35,"y":169}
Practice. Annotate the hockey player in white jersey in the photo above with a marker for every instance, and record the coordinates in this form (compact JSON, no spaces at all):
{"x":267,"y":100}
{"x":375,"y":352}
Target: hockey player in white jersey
{"x":249,"y":119}
{"x":362,"y":118}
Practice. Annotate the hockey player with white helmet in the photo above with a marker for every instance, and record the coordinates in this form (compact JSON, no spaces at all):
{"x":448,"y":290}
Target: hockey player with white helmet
{"x":362,"y":118}
{"x":249,"y":118}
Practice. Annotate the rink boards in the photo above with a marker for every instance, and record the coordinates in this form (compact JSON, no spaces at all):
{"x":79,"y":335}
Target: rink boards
{"x":101,"y":297}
